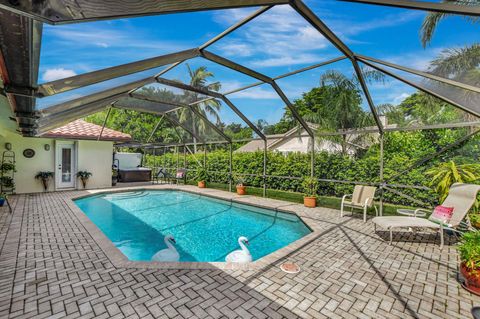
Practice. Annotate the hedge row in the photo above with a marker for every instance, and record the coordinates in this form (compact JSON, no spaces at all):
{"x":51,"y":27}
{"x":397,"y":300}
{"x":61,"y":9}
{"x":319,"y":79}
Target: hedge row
{"x":296,"y":165}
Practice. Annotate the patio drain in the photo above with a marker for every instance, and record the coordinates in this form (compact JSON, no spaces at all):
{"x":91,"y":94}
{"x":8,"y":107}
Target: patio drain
{"x":290,"y":268}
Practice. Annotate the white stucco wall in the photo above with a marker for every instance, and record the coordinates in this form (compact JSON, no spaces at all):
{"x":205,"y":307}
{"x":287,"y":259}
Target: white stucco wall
{"x":96,"y":157}
{"x":92,"y":156}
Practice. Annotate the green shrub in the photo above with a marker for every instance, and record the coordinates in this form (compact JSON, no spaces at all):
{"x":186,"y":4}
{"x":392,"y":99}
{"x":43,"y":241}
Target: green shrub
{"x":469,"y":250}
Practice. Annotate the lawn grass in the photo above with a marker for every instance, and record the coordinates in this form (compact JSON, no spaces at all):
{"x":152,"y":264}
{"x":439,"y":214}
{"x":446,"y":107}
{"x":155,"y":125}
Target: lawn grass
{"x":322,"y":201}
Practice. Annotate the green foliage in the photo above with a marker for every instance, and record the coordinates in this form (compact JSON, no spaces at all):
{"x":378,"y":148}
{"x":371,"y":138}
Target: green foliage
{"x":421,"y":109}
{"x":6,"y":167}
{"x":475,"y":219}
{"x":445,"y":174}
{"x":84,"y":174}
{"x":239,"y":179}
{"x":44,"y":175}
{"x":7,"y":182}
{"x":201,"y":174}
{"x":469,"y":250}
{"x":310,"y":186}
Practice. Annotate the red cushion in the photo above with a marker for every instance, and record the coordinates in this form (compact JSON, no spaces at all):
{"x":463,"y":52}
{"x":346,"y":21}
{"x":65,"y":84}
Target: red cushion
{"x":442,"y":214}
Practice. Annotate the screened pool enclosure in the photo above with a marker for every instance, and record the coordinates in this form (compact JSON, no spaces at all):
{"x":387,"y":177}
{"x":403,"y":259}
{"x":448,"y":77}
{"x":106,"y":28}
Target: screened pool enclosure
{"x":159,"y":85}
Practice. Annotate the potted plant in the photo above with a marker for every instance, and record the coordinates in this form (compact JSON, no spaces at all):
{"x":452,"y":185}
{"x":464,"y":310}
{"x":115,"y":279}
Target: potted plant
{"x":3,"y":198}
{"x":310,"y":187}
{"x":201,"y":176}
{"x":84,"y":176}
{"x":44,"y":177}
{"x":6,"y":167}
{"x":241,"y":188}
{"x":469,"y":250}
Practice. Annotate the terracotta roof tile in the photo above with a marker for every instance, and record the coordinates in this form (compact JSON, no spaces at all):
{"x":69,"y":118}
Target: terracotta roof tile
{"x":82,"y":130}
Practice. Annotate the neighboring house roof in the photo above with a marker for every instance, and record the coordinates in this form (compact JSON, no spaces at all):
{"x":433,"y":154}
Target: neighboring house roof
{"x":256,"y":145}
{"x":82,"y":130}
{"x":291,"y":141}
{"x":273,"y":140}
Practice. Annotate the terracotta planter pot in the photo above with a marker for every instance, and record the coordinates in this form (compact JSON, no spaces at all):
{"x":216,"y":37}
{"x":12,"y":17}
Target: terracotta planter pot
{"x":310,"y":202}
{"x":201,"y":184}
{"x":241,"y":190}
{"x":472,"y":280}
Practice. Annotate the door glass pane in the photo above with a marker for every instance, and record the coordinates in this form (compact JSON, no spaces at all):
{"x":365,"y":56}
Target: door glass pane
{"x":66,"y":165}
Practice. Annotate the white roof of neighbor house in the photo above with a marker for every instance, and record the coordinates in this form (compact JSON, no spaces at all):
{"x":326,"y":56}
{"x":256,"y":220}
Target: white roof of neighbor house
{"x":295,"y":141}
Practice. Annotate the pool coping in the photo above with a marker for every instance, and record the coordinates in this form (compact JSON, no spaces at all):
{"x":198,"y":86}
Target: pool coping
{"x":119,"y":260}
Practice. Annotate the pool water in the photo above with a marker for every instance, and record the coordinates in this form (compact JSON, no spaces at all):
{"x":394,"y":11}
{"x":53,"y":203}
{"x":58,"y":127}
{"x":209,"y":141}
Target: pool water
{"x":205,"y":229}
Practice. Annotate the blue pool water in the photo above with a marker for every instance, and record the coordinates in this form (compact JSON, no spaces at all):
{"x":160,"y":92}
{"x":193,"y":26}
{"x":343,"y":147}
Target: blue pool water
{"x":205,"y":229}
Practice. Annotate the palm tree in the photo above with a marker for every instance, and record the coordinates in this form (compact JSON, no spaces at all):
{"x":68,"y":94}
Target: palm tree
{"x":460,"y":64}
{"x":445,"y":174}
{"x":431,"y":21}
{"x":199,"y":78}
{"x":343,"y":106}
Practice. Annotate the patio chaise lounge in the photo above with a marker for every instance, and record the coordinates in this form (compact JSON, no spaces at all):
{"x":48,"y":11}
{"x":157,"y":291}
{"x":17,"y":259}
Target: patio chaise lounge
{"x":162,"y":174}
{"x":461,"y":198}
{"x":362,"y":198}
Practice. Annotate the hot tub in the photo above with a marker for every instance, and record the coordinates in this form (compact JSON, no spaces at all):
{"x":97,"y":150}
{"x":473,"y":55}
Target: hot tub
{"x":138,"y":174}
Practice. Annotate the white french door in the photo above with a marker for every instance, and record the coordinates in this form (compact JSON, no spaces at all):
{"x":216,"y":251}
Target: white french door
{"x":65,"y":165}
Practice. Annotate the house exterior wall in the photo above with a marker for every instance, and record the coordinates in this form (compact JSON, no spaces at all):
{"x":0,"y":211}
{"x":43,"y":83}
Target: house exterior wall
{"x":97,"y":158}
{"x":93,"y":156}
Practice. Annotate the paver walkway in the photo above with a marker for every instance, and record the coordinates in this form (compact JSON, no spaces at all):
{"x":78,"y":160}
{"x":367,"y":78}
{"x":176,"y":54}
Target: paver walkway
{"x":50,"y":266}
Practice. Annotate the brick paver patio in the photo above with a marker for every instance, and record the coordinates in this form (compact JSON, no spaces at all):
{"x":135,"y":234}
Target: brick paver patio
{"x":52,"y":267}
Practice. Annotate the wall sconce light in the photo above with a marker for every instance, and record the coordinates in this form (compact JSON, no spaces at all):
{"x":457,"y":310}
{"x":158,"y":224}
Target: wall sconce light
{"x":8,"y":146}
{"x":46,"y":147}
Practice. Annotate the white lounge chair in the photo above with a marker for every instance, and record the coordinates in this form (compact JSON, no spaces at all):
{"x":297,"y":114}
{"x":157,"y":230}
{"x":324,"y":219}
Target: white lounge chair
{"x":461,"y":197}
{"x":362,"y":198}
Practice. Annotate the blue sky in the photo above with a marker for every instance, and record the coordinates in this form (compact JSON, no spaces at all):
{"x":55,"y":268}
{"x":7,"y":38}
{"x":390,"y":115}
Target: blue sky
{"x":277,"y":42}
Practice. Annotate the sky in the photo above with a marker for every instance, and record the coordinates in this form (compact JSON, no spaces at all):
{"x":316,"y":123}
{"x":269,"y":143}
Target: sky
{"x":277,"y":42}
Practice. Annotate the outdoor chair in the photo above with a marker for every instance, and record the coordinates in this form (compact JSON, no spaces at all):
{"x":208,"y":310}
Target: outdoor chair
{"x":362,"y":198}
{"x":181,"y":175}
{"x":162,"y":174}
{"x":461,"y":198}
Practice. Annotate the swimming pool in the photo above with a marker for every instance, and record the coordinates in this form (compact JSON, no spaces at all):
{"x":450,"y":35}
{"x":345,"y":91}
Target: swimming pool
{"x":205,"y":229}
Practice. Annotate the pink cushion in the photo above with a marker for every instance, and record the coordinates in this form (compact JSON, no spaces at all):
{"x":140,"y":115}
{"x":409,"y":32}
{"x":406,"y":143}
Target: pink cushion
{"x":179,"y":174}
{"x":442,"y":214}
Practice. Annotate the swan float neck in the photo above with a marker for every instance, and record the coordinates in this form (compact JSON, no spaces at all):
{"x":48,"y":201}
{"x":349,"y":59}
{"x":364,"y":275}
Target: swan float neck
{"x":170,"y":254}
{"x":240,"y":256}
{"x":169,"y":241}
{"x":241,"y":241}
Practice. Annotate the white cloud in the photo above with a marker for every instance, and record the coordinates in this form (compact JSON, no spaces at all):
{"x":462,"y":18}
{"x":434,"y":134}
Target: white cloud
{"x":102,"y":44}
{"x":255,"y":93}
{"x":287,"y":60}
{"x":72,"y":36}
{"x":418,"y":60}
{"x":57,"y":73}
{"x":279,"y":37}
{"x":399,"y":98}
{"x":237,"y":49}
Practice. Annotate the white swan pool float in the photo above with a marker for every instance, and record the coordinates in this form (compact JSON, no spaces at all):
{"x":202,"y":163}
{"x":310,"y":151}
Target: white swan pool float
{"x":243,"y":255}
{"x":170,"y":254}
